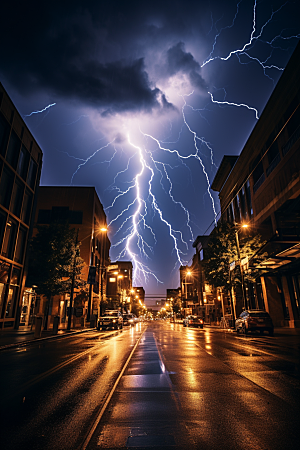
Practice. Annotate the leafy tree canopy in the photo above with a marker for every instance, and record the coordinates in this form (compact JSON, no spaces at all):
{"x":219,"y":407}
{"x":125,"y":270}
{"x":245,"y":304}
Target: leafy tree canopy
{"x":51,"y":259}
{"x":222,"y":251}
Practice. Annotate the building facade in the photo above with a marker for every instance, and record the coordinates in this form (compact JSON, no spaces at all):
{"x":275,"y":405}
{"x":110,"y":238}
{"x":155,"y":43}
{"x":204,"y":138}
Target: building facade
{"x":20,"y":168}
{"x":262,"y":187}
{"x":82,"y":209}
{"x":119,"y":285}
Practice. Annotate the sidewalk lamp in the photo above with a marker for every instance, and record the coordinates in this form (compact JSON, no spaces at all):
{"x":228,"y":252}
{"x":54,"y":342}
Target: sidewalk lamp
{"x":92,"y":269}
{"x":244,"y":297}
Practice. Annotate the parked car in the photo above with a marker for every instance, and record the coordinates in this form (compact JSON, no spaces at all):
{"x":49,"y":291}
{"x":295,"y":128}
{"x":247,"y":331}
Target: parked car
{"x":129,"y":319}
{"x":111,"y":319}
{"x":193,"y":321}
{"x":254,"y":320}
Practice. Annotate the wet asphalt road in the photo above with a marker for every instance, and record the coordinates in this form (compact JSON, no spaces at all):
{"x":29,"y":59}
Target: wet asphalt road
{"x":183,"y":388}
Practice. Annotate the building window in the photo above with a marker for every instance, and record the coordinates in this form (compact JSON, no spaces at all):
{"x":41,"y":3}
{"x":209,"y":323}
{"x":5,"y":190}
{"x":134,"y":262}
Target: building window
{"x":296,"y":293}
{"x":9,"y":239}
{"x":243,"y":210}
{"x":236,"y":208}
{"x":6,"y":185}
{"x":2,"y":226}
{"x":23,"y":163}
{"x":293,"y":123}
{"x":11,"y":301}
{"x":4,"y":274}
{"x":112,"y":280}
{"x":13,"y":150}
{"x":32,"y":174}
{"x":26,"y":210}
{"x":20,"y":245}
{"x":258,"y":176}
{"x":248,"y":198}
{"x":4,"y":133}
{"x":17,"y":197}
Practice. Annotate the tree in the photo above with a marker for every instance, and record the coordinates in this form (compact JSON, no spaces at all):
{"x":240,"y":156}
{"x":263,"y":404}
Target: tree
{"x":51,"y":261}
{"x":222,"y":251}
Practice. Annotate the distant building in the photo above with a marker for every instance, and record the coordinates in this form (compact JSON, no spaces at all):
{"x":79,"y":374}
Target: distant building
{"x":20,"y":168}
{"x":262,"y":187}
{"x":82,"y":209}
{"x":119,"y":285}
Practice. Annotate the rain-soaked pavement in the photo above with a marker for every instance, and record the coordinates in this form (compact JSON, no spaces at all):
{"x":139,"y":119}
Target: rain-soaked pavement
{"x":204,"y":389}
{"x":182,"y":389}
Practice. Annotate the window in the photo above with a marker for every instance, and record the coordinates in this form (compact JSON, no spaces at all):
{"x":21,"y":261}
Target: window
{"x":9,"y":239}
{"x":17,"y":197}
{"x":4,"y":271}
{"x":2,"y":226}
{"x":248,"y":198}
{"x":32,"y":173}
{"x":112,"y":280}
{"x":4,"y":132}
{"x":20,"y":245}
{"x":294,"y":121}
{"x":2,"y":296}
{"x":13,"y":150}
{"x":4,"y":274}
{"x":15,"y":277}
{"x":23,"y":163}
{"x":6,"y":185}
{"x":243,"y":203}
{"x":258,"y":176}
{"x":11,"y":301}
{"x":26,"y":210}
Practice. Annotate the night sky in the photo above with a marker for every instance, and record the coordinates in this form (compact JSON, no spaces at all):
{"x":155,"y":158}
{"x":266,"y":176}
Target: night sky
{"x":142,"y":101}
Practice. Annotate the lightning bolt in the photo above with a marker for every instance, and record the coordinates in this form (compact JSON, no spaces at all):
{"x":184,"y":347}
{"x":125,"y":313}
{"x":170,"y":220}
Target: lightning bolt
{"x":234,"y":104}
{"x":248,"y":45}
{"x":42,"y":110}
{"x":85,"y":161}
{"x":134,"y":236}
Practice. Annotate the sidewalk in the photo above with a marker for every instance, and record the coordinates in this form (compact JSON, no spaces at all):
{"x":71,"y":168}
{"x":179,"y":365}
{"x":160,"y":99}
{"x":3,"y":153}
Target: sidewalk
{"x":15,"y":338}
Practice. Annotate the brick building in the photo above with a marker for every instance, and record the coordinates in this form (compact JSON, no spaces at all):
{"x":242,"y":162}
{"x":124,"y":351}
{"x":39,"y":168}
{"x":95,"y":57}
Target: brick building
{"x":82,"y":209}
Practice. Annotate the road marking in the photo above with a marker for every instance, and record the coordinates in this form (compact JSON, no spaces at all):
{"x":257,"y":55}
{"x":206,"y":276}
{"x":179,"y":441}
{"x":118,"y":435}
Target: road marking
{"x":103,"y":408}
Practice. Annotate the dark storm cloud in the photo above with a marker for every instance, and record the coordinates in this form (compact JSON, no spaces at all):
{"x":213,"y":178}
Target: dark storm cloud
{"x":92,"y":51}
{"x":179,"y":60}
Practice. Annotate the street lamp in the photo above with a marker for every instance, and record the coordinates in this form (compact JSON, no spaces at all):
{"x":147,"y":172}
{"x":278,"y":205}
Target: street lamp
{"x":240,"y":264}
{"x":102,"y":266}
{"x":93,"y":271}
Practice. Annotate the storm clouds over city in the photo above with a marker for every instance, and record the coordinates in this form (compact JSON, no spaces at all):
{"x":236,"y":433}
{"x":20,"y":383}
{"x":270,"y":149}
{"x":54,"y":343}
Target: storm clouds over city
{"x":142,"y":100}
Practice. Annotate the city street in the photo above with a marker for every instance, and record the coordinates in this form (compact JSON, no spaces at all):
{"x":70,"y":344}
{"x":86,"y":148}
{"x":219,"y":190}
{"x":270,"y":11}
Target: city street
{"x":182,"y":388}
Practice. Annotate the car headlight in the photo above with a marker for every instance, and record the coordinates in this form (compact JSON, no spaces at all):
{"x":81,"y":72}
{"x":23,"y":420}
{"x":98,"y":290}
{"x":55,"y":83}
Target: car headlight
{"x":131,"y":320}
{"x":114,"y":321}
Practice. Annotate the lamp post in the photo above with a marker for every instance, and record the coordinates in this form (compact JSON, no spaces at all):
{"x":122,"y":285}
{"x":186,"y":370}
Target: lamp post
{"x":240,"y":264}
{"x":92,"y":274}
{"x":188,"y":273}
{"x":102,"y":266}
